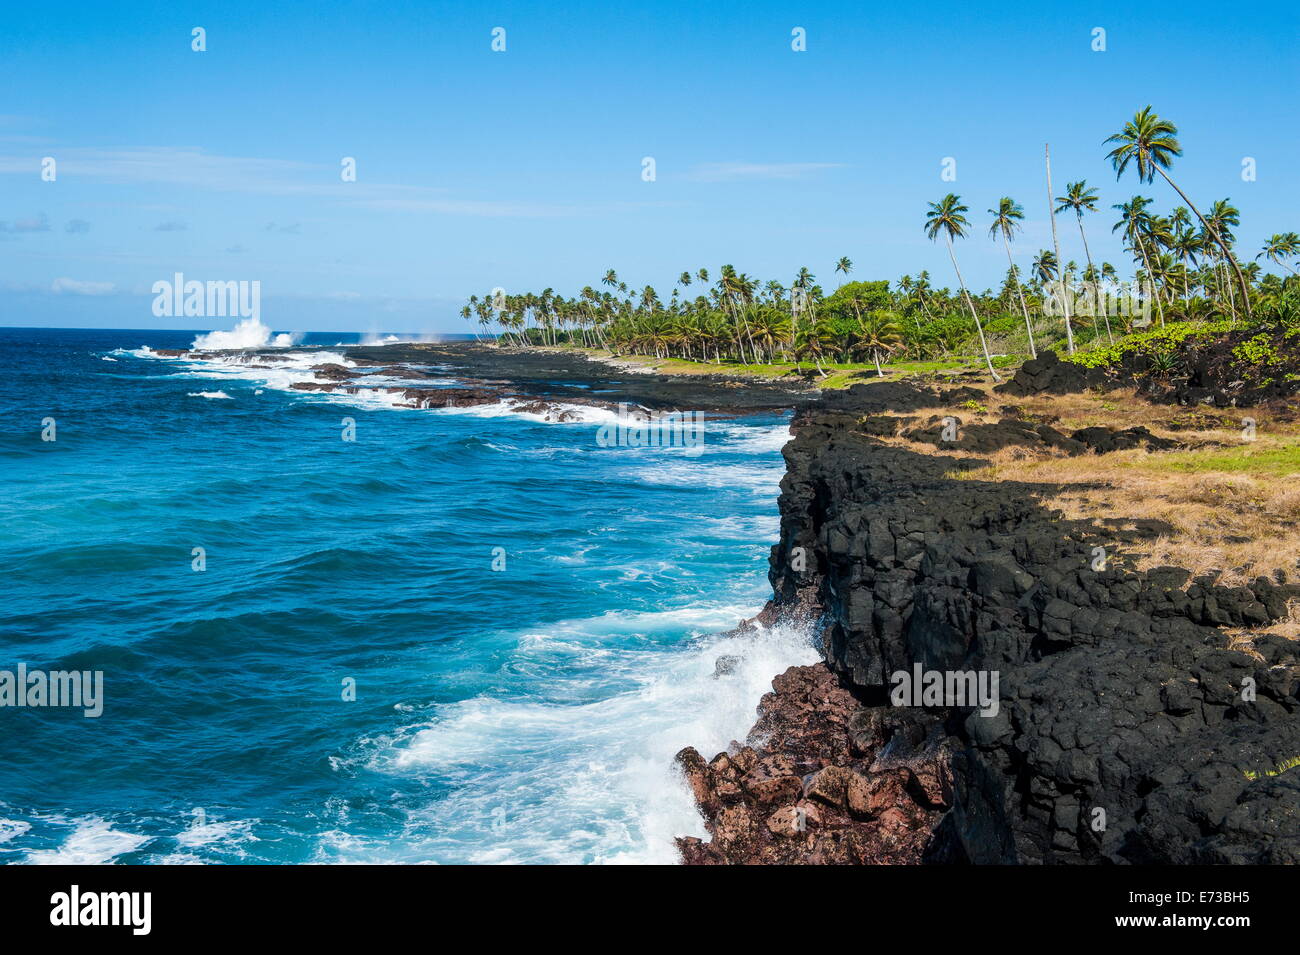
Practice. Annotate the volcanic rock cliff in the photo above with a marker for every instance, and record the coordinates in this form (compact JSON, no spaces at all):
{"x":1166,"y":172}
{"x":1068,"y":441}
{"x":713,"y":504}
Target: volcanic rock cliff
{"x":1126,"y":729}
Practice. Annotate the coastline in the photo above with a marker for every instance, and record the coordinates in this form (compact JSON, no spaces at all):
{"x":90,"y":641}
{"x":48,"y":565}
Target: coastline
{"x":1143,"y":716}
{"x":900,"y":558}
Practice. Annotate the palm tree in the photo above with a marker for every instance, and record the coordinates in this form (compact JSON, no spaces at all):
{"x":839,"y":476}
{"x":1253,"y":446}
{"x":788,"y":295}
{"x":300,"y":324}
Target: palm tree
{"x":1187,"y":246}
{"x":799,"y":294}
{"x":1222,"y":218}
{"x":1044,"y":266}
{"x":1080,"y":198}
{"x":922,"y":286}
{"x":845,"y":265}
{"x":878,"y":331}
{"x":734,"y":292}
{"x":1006,"y":220}
{"x":948,"y":216}
{"x":1278,"y":245}
{"x":812,"y":340}
{"x":1149,"y":143}
{"x":1132,"y":219}
{"x":1056,"y":246}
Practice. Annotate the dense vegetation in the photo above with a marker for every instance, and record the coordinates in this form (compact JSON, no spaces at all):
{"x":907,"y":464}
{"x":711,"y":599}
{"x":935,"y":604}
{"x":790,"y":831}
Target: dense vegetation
{"x":1184,"y":270}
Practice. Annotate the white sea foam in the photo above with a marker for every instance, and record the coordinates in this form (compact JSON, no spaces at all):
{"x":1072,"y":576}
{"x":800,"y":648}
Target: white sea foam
{"x":575,"y":779}
{"x":215,"y":833}
{"x":93,"y":841}
{"x":582,"y":414}
{"x":760,"y":478}
{"x":756,"y":440}
{"x":12,"y":828}
{"x":208,"y":394}
{"x":248,"y":333}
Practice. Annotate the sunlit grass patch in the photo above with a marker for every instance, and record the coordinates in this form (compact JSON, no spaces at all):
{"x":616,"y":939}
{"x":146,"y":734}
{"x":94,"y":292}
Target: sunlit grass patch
{"x":1279,"y":460}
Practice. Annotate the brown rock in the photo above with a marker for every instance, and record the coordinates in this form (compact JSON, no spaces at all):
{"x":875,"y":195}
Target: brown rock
{"x":788,"y":822}
{"x":767,"y":791}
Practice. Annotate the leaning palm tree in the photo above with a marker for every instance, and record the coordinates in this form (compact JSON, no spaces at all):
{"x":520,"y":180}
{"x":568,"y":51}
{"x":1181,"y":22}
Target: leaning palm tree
{"x":1056,"y":247}
{"x":1149,"y":143}
{"x":948,"y":216}
{"x":1082,"y":199}
{"x":845,"y":265}
{"x":1280,"y":244}
{"x":1006,"y":220}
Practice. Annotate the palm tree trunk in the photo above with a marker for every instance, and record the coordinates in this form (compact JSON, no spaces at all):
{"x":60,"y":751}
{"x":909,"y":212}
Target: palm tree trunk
{"x":1033,"y":351}
{"x":1214,"y":233}
{"x":988,"y":359}
{"x":1060,"y":264}
{"x":1096,"y":296}
{"x":1160,"y":309}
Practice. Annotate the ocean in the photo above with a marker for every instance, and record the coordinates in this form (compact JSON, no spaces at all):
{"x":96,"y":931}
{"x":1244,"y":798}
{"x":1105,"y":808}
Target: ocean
{"x":466,"y":636}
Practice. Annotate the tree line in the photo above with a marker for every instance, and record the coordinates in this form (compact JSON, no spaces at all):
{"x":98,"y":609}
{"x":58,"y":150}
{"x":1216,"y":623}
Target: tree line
{"x":1184,"y":266}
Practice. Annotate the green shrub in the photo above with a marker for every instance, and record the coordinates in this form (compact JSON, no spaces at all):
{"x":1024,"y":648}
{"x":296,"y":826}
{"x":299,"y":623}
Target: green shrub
{"x":1258,"y":351}
{"x":1152,"y":343}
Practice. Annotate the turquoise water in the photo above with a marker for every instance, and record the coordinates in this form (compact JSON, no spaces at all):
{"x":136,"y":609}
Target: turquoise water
{"x":527,"y":714}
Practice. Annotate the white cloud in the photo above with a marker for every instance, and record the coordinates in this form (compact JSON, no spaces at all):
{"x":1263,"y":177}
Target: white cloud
{"x":65,"y":286}
{"x":192,"y":168}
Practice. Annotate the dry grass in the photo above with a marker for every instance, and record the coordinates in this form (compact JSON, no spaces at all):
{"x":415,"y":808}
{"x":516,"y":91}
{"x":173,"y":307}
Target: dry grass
{"x":1231,"y":507}
{"x":1236,"y":526}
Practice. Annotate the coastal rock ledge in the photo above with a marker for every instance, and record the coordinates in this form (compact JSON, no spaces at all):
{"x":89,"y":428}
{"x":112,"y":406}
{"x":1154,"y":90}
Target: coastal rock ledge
{"x":1141,"y":718}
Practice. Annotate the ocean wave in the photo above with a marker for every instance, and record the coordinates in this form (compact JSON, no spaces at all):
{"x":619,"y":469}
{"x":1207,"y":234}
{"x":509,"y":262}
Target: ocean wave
{"x":228,"y":835}
{"x":511,"y":408}
{"x":12,"y":828}
{"x":760,"y":478}
{"x":208,"y":394}
{"x":248,"y":333}
{"x":754,"y":440}
{"x":593,"y":781}
{"x":93,"y":841}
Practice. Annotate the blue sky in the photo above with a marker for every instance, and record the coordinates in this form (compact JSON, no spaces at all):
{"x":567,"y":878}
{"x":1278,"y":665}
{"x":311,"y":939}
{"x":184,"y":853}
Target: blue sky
{"x":523,"y":169}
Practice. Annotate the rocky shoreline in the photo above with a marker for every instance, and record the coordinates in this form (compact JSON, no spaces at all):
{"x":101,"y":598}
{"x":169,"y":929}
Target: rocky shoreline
{"x":1130,"y":727}
{"x":546,"y":382}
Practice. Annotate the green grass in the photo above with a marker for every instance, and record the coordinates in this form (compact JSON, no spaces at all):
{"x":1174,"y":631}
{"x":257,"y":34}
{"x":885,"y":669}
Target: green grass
{"x":839,"y":374}
{"x":1274,"y":461}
